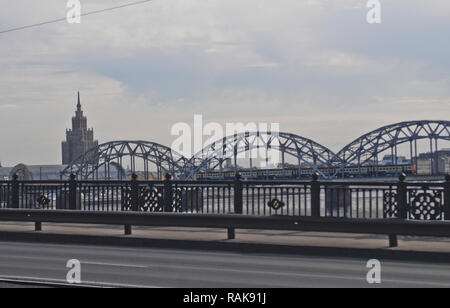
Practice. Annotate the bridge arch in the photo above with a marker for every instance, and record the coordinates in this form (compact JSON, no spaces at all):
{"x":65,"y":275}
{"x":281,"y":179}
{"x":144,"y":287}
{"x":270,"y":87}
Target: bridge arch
{"x":102,"y":159}
{"x":366,"y":149}
{"x":305,"y":152}
{"x":22,"y":171}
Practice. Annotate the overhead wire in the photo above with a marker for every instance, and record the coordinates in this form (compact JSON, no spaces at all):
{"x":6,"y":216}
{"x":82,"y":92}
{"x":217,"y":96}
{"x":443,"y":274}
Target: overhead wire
{"x":81,"y":15}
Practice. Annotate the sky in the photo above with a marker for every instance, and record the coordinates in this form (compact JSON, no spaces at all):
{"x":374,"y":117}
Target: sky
{"x":316,"y":67}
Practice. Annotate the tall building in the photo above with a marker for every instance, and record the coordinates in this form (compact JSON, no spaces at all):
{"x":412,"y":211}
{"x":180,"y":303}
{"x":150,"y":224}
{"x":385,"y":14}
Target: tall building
{"x":78,"y":139}
{"x":436,"y":163}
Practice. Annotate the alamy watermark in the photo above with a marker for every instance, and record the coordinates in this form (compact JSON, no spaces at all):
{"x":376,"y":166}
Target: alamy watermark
{"x":374,"y":14}
{"x":192,"y":140}
{"x":374,"y":274}
{"x":74,"y":274}
{"x":74,"y":13}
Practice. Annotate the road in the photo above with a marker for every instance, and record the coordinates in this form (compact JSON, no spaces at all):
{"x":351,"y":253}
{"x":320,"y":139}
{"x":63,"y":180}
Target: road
{"x":151,"y":267}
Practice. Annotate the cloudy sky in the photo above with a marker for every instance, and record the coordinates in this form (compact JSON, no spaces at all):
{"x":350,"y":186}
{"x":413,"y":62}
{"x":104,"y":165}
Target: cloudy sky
{"x":315,"y":66}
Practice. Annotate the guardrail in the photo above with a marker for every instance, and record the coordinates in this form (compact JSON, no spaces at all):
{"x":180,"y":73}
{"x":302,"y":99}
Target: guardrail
{"x":232,"y":222}
{"x":342,"y":199}
{"x":391,"y":207}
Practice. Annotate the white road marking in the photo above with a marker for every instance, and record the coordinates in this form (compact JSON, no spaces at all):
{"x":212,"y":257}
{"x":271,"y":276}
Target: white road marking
{"x":60,"y":282}
{"x":114,"y":264}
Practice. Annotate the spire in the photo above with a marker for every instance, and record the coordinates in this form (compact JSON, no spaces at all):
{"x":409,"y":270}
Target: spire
{"x":79,"y":103}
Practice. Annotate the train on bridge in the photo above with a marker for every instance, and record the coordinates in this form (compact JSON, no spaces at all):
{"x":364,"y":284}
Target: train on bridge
{"x":293,"y":173}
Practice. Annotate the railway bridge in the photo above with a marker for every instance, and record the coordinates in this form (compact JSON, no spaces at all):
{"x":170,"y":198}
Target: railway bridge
{"x":300,"y":157}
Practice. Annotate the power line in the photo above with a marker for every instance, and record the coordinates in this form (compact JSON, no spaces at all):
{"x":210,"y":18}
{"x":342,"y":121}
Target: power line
{"x":63,"y":19}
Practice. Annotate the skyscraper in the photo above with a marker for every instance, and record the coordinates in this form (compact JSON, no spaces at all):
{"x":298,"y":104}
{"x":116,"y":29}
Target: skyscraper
{"x":78,"y":139}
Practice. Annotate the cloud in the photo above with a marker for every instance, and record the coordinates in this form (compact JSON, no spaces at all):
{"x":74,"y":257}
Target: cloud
{"x":8,"y":106}
{"x":314,"y":66}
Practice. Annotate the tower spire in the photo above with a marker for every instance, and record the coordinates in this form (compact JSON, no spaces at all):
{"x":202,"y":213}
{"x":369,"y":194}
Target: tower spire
{"x":78,"y":139}
{"x":79,"y":103}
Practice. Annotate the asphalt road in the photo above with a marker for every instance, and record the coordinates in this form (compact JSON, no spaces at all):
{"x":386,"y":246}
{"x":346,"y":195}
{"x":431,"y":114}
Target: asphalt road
{"x":151,"y":267}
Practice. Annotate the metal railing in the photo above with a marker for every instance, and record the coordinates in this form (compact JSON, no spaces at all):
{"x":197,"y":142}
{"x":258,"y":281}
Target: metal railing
{"x":315,"y":198}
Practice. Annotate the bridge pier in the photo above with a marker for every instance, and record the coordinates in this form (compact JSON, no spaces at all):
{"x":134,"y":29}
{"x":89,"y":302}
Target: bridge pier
{"x":38,"y":226}
{"x":128,"y":230}
{"x":231,"y":233}
{"x":393,"y":241}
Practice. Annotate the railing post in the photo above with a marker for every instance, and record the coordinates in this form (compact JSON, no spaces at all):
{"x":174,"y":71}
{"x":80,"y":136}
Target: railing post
{"x":238,"y":198}
{"x":168,"y":194}
{"x":38,"y":226}
{"x":72,"y":192}
{"x":393,"y":241}
{"x":231,"y":232}
{"x":315,"y":196}
{"x":447,"y":197}
{"x":15,"y":192}
{"x":402,"y":206}
{"x":128,"y":230}
{"x":402,"y":202}
{"x":134,"y":193}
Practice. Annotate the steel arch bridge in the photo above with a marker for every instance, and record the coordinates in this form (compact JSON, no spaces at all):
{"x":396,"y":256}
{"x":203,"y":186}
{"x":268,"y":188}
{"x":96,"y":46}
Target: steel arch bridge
{"x":111,"y":154}
{"x":307,"y":152}
{"x":366,"y":149}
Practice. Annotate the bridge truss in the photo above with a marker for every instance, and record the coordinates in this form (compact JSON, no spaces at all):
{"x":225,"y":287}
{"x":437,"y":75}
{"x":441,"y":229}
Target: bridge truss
{"x":250,"y":145}
{"x":106,"y":160}
{"x":366,"y":149}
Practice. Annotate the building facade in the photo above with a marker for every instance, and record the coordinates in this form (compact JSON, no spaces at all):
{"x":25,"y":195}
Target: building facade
{"x":438,"y":163}
{"x":392,"y":160}
{"x":78,"y":139}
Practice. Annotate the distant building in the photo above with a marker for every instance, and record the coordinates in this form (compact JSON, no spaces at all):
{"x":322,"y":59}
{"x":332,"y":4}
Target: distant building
{"x":444,"y":164}
{"x":36,"y":172}
{"x":287,"y":166}
{"x":78,"y":139}
{"x":29,"y":173}
{"x":438,"y":163}
{"x":424,"y":166}
{"x":4,"y":173}
{"x":51,"y":172}
{"x":391,"y":160}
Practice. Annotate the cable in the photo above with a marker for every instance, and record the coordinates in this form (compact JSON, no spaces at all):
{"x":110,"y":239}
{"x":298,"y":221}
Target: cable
{"x":63,"y":19}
